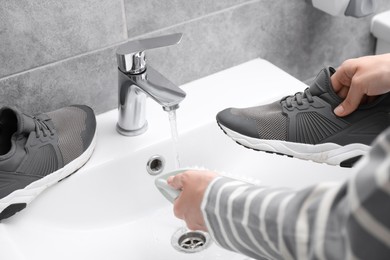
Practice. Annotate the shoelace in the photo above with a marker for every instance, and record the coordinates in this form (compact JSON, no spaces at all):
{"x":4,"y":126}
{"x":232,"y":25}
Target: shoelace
{"x":298,"y":97}
{"x":42,"y":127}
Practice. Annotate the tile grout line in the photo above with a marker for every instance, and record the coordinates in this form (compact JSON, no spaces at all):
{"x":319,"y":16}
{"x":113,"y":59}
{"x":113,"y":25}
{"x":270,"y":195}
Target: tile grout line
{"x":42,"y":66}
{"x":125,"y":34}
{"x":49,"y":64}
{"x":125,"y":30}
{"x":200,"y":17}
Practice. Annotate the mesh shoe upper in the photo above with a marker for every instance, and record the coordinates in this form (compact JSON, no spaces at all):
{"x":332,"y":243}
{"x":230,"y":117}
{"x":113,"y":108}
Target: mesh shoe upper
{"x":35,"y":146}
{"x":272,"y":124}
{"x":307,"y":117}
{"x":75,"y":128}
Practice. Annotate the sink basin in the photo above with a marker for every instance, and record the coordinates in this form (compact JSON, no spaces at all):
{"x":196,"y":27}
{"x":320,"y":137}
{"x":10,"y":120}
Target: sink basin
{"x":111,"y":209}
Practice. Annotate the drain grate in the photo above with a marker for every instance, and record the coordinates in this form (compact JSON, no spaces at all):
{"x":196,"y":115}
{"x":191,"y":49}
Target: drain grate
{"x":190,"y":241}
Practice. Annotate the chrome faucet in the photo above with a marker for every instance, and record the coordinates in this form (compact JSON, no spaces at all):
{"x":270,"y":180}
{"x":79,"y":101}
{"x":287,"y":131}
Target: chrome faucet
{"x":136,"y":81}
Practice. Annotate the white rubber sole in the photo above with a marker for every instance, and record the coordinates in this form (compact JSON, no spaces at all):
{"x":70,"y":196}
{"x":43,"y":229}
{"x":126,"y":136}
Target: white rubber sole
{"x":31,"y":191}
{"x":328,"y":153}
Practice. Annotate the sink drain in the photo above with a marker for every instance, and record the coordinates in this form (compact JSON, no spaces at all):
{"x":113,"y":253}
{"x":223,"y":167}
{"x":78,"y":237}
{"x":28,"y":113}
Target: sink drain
{"x":188,"y":241}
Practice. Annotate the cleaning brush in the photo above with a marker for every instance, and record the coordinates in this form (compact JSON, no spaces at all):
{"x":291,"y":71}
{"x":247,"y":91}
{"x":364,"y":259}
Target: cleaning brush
{"x":171,"y":194}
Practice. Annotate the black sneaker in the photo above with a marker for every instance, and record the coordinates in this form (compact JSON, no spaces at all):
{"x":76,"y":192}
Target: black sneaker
{"x":38,"y":151}
{"x":304,"y":125}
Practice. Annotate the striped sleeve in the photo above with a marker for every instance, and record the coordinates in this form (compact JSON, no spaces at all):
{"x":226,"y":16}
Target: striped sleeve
{"x":350,"y":220}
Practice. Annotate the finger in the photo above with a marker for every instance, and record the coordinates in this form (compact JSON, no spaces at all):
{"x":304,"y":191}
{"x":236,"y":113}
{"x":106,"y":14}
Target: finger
{"x":336,"y":80}
{"x":177,"y":209}
{"x":343,"y":75}
{"x":176,"y":181}
{"x":350,"y":103}
{"x":195,"y":226}
{"x":195,"y":221}
{"x":343,"y":92}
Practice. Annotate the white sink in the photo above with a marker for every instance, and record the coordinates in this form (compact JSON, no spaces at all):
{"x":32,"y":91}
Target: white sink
{"x":111,"y":209}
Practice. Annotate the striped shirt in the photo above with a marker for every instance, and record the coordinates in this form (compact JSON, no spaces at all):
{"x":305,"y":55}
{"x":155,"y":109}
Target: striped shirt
{"x":349,"y":220}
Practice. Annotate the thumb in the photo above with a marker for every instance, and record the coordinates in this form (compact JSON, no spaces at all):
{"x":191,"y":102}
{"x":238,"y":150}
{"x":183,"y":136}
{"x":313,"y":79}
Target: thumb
{"x":350,"y":103}
{"x":176,"y":181}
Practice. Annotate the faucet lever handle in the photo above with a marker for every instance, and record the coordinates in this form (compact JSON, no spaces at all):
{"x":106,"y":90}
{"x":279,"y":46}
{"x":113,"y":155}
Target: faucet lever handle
{"x":131,"y":57}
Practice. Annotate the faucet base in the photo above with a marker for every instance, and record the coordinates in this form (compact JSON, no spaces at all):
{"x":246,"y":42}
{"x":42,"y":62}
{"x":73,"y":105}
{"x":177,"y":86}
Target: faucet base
{"x":132,"y":132}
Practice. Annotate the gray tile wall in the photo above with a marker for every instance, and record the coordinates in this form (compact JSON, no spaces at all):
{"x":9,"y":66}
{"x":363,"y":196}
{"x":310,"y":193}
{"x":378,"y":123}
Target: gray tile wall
{"x":56,"y":53}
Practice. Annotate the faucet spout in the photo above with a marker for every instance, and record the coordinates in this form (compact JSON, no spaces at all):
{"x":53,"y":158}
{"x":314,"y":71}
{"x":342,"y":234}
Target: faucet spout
{"x":158,"y":87}
{"x":136,"y":81}
{"x":133,"y":90}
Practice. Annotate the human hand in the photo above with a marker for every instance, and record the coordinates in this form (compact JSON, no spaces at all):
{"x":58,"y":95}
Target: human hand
{"x":360,"y":80}
{"x":187,"y":206}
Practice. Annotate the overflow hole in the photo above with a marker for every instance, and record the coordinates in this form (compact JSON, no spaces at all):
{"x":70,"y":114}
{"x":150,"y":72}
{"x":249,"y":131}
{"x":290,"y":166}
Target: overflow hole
{"x":155,"y":165}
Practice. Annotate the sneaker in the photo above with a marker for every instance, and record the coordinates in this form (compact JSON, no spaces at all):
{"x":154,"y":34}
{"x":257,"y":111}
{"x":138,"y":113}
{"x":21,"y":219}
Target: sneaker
{"x":39,"y":151}
{"x":304,"y":125}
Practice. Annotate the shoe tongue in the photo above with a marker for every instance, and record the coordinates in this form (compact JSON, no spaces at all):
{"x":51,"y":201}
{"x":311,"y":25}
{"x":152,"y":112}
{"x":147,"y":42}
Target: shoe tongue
{"x":322,"y":83}
{"x":25,"y":124}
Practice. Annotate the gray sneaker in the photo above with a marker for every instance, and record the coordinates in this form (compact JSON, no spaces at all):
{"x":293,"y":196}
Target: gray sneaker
{"x":304,"y":125}
{"x":38,"y":151}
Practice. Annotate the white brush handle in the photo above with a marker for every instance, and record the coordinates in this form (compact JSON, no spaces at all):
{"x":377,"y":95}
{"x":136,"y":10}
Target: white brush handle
{"x":170,"y":193}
